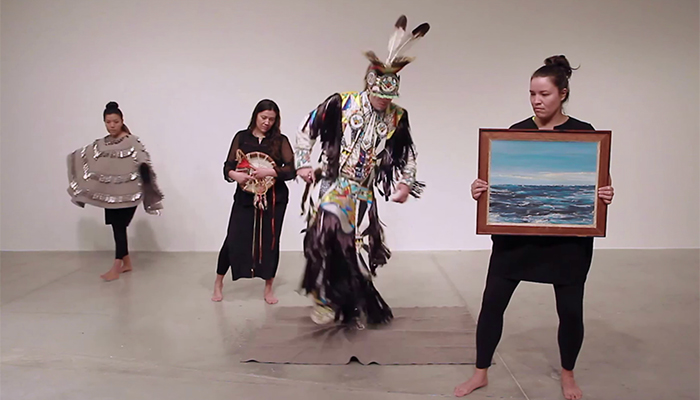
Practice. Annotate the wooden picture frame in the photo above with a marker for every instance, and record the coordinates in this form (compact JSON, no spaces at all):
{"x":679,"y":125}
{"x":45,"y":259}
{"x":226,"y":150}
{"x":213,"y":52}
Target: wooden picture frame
{"x":543,"y":182}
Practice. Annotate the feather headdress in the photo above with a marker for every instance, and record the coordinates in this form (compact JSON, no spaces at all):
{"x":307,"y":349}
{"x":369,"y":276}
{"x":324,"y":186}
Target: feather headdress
{"x":381,"y":76}
{"x":399,"y":43}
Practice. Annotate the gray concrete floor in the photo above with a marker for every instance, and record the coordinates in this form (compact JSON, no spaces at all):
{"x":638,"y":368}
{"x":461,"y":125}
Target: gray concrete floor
{"x":155,"y":334}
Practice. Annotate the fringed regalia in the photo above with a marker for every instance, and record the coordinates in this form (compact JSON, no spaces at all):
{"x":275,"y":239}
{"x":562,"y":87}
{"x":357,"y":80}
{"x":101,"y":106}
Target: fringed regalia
{"x":364,"y":153}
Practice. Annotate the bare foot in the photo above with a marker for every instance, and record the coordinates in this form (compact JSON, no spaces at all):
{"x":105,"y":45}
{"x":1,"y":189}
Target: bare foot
{"x":569,"y":387}
{"x":270,"y":298}
{"x":111,"y":275}
{"x":126,"y":264}
{"x":218,"y":287}
{"x":478,"y":380}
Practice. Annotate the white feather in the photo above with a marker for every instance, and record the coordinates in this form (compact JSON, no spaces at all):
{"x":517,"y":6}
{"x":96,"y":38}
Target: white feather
{"x":394,"y":43}
{"x":403,"y":47}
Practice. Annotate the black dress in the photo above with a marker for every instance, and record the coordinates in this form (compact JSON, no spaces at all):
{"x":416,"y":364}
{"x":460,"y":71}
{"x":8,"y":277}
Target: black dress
{"x":251,"y":247}
{"x":546,"y":259}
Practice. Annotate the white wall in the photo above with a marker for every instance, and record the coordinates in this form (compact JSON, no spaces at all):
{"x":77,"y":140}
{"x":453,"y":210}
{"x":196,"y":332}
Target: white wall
{"x":188,"y":73}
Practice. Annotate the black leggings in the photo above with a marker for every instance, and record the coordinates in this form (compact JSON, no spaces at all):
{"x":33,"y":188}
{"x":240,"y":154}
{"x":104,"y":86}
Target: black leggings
{"x":497,"y":294}
{"x":122,"y":246}
{"x":120,"y":218}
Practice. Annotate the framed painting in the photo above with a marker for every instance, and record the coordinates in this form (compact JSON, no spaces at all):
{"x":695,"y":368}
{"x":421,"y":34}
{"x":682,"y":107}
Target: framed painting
{"x":543,"y":182}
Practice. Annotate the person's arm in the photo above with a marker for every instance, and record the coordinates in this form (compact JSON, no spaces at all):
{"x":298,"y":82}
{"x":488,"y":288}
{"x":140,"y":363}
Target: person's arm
{"x":323,"y":122}
{"x":305,"y":142}
{"x":231,"y":161}
{"x":286,"y":171}
{"x":401,"y":160}
{"x":230,"y":173}
{"x":404,"y":152}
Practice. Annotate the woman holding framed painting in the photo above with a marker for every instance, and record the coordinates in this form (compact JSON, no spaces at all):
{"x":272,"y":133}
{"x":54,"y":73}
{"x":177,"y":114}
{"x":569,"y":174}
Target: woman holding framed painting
{"x":563,"y":261}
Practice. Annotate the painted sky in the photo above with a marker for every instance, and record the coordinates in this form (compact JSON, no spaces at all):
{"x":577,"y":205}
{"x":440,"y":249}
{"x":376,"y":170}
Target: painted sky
{"x":543,"y":163}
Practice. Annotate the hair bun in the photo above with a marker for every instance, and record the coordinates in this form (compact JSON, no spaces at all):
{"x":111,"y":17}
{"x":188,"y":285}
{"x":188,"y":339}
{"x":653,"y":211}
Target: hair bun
{"x":560,"y":61}
{"x":112,"y":105}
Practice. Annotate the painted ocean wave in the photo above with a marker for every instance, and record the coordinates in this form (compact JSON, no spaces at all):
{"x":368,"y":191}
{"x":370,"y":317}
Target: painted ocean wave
{"x":542,"y":204}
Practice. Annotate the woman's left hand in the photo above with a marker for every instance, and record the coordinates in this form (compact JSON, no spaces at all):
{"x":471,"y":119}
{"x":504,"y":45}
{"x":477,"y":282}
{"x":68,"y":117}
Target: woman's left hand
{"x":606,"y":194}
{"x":260,"y":173}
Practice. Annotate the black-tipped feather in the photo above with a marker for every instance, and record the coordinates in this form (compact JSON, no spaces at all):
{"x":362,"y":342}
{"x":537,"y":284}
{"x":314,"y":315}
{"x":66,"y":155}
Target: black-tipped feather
{"x":401,"y":22}
{"x":421,"y":30}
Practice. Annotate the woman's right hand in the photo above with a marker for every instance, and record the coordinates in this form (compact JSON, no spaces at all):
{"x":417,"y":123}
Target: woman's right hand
{"x":479,"y":187}
{"x":240,"y":177}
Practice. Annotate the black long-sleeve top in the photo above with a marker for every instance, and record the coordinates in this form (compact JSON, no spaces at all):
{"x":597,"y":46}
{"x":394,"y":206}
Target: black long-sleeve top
{"x":276,"y":146}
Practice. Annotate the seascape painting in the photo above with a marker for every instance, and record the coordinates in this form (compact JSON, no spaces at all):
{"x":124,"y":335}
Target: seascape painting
{"x":543,"y":183}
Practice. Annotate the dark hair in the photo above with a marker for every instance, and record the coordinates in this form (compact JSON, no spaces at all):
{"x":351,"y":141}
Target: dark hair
{"x":266,"y":105}
{"x":113,"y":108}
{"x":559,"y":70}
